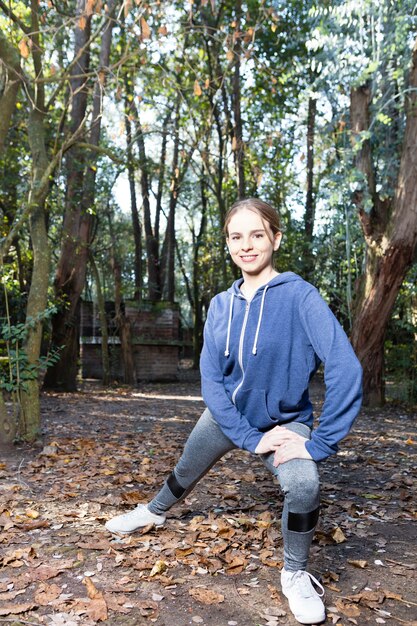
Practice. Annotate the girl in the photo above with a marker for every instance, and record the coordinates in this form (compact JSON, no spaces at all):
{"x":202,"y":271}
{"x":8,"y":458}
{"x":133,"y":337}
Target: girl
{"x":264,"y":339}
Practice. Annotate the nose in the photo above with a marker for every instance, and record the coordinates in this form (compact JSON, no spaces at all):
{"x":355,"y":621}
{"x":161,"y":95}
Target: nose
{"x":246,"y":243}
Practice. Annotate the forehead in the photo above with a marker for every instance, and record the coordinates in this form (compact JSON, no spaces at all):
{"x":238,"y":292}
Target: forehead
{"x":246,"y":219}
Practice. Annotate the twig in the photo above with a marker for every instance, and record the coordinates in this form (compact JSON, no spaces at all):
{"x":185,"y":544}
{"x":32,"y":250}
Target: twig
{"x":408,"y":566}
{"x":20,"y":480}
{"x":398,"y":619}
{"x":16,"y":620}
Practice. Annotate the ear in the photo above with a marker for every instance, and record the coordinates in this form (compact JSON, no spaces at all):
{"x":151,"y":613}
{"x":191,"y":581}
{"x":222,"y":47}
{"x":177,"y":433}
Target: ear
{"x":277,"y":240}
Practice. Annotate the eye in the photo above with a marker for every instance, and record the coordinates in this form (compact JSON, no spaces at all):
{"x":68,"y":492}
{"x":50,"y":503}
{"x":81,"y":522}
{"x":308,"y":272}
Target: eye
{"x":259,"y":235}
{"x":235,"y":237}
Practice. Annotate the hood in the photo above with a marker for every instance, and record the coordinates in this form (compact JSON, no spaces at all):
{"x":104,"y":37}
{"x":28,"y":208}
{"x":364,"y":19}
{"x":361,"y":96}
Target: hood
{"x":285,"y":277}
{"x":234,"y":291}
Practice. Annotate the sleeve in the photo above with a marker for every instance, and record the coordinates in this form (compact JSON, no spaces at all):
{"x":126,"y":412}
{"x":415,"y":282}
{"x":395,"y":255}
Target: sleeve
{"x":342,"y":376}
{"x":232,"y":423}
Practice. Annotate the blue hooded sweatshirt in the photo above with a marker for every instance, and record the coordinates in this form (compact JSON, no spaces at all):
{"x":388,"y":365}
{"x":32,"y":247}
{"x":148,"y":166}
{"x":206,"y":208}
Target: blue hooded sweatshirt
{"x":258,"y":358}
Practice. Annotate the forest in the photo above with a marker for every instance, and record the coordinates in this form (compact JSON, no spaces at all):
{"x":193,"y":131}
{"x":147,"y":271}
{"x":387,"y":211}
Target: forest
{"x":128,"y":128}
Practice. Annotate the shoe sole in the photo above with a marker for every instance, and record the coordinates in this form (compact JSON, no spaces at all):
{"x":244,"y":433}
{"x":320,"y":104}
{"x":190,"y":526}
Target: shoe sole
{"x":129,"y":532}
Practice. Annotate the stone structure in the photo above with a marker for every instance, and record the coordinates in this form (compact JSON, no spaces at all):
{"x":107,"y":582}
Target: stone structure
{"x":155,"y":339}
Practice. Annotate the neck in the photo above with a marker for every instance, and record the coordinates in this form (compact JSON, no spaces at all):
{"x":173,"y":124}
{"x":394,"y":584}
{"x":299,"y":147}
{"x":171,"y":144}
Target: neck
{"x":252,"y":283}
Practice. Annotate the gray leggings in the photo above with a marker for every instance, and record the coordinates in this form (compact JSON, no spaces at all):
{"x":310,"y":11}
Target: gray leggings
{"x":298,"y":478}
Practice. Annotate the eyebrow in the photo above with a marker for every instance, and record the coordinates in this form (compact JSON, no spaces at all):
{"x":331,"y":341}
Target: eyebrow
{"x":252,"y":232}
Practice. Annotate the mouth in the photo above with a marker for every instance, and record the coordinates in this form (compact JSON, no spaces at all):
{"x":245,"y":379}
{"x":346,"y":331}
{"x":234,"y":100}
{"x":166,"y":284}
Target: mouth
{"x":247,"y":258}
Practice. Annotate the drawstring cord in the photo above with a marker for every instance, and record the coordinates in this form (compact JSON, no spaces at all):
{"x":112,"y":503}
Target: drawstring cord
{"x":255,"y":343}
{"x":227,"y":351}
{"x":229,"y":324}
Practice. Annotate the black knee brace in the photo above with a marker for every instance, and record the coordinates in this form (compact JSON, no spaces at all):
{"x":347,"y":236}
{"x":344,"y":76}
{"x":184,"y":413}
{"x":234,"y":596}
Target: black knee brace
{"x":303,"y":522}
{"x":174,"y":486}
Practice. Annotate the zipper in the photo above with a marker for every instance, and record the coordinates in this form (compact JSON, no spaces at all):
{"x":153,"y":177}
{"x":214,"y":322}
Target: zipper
{"x":240,"y":354}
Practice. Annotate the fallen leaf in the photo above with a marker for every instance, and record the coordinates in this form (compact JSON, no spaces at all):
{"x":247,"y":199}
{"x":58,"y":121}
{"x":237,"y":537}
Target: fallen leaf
{"x":147,"y":608}
{"x":45,"y":593}
{"x":368,"y":598}
{"x":206,"y":596}
{"x":92,"y":590}
{"x":15,"y":609}
{"x":274,"y":611}
{"x":338,"y":535}
{"x":63,"y":619}
{"x":360,"y":564}
{"x":347,"y":609}
{"x":95,"y":609}
{"x":159,"y":568}
{"x":133,"y":497}
{"x":236,"y":566}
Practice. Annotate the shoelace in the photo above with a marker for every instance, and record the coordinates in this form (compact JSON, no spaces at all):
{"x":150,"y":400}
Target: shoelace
{"x":302,"y":580}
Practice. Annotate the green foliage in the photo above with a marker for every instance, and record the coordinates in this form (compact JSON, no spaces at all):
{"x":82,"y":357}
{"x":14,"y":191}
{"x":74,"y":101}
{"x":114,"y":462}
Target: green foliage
{"x":15,"y":367}
{"x":182,"y":57}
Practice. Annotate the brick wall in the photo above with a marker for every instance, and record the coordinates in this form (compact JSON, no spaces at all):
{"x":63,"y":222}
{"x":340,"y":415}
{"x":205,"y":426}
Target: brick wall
{"x":155,"y":338}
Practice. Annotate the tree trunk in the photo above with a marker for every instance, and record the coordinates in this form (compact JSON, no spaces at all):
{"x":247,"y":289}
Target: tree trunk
{"x":197,"y":299}
{"x":9,"y":86}
{"x":237,"y":113}
{"x":136,"y":226}
{"x":38,"y":293}
{"x":105,"y":360}
{"x":310,"y":205}
{"x":151,"y":239}
{"x":8,"y":424}
{"x":391,"y":241}
{"x":122,"y":322}
{"x":168,"y":259}
{"x":78,"y":220}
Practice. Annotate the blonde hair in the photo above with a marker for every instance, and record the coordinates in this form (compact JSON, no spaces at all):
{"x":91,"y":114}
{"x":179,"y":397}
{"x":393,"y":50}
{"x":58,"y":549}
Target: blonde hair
{"x":266,"y":212}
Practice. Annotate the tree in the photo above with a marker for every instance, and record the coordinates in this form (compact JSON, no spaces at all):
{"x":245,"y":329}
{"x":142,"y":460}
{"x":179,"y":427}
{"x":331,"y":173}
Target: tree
{"x":390,"y":231}
{"x":42,"y":169}
{"x":78,"y":227}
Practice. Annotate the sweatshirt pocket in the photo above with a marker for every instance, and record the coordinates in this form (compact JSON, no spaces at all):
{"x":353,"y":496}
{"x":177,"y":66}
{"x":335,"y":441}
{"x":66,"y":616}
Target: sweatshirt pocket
{"x":252,"y":404}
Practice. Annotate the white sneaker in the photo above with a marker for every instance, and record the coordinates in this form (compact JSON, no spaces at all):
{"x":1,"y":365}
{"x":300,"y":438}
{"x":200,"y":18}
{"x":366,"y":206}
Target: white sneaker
{"x":131,"y":521}
{"x":305,"y":603}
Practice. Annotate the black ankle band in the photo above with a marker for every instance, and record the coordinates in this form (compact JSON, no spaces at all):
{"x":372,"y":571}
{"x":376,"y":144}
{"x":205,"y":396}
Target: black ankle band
{"x":174,"y":486}
{"x":303,"y":522}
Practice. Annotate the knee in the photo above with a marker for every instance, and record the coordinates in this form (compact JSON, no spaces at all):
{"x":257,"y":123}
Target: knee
{"x":304,"y":491}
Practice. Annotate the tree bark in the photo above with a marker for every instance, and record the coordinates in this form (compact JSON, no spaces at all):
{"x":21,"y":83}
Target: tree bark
{"x":38,"y":292}
{"x":237,"y":112}
{"x":391,"y":239}
{"x":151,"y":238}
{"x":136,"y":226}
{"x":122,"y":322}
{"x":197,"y":300}
{"x":310,"y":205}
{"x":168,"y":257}
{"x":105,"y":359}
{"x":9,"y":86}
{"x":78,"y":220}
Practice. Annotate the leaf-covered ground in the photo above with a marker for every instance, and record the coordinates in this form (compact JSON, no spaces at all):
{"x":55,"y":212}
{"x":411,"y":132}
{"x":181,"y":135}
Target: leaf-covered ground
{"x":217,"y":560}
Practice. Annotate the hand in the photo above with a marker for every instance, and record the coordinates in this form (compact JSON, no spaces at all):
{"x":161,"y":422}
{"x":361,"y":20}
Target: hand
{"x":286,"y":444}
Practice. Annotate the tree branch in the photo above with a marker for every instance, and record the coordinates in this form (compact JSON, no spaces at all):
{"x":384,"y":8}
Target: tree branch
{"x":7,"y":10}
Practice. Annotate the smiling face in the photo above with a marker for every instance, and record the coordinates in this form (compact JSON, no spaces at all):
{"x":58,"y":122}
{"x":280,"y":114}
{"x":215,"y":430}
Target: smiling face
{"x":252,"y":243}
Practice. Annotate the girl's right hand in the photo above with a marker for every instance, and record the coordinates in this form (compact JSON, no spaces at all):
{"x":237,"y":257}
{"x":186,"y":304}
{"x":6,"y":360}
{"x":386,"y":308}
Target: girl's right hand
{"x":271,"y":440}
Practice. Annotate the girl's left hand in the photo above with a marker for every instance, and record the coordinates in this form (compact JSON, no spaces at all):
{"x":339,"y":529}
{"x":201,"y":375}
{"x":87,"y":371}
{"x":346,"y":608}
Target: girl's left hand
{"x":291,"y":446}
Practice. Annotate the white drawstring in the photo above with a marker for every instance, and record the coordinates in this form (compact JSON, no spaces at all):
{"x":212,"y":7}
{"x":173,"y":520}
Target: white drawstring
{"x":255,"y":343}
{"x":227,"y":351}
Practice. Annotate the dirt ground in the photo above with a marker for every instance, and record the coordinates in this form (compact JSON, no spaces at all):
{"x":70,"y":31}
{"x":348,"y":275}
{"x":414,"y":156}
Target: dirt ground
{"x":217,"y":560}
